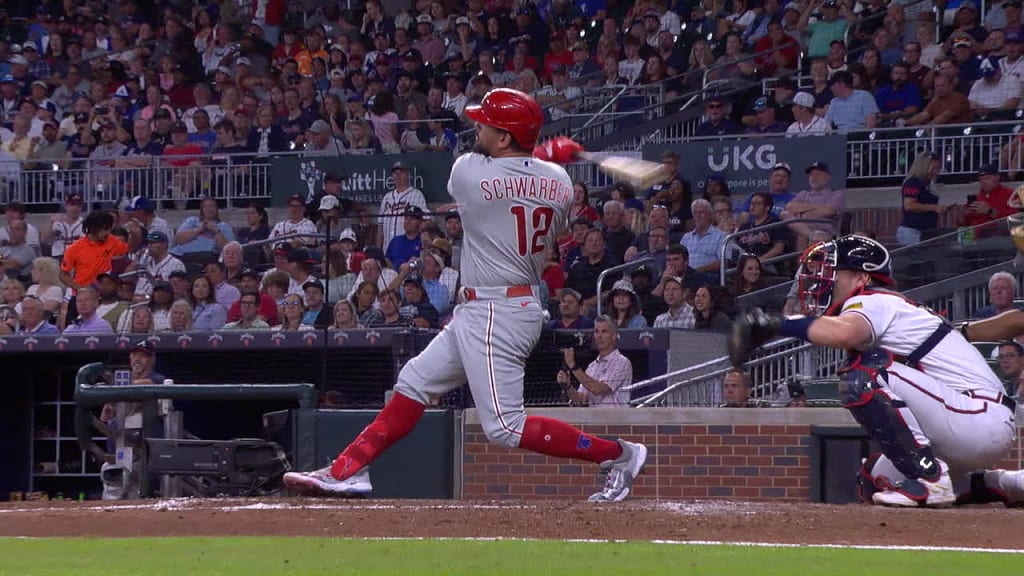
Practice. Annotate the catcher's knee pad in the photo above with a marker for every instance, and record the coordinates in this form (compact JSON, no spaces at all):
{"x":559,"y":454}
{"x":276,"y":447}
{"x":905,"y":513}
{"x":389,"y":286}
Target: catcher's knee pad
{"x":504,"y":429}
{"x":869,"y":402}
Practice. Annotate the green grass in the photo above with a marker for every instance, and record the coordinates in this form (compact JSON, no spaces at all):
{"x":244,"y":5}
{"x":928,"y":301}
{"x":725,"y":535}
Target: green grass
{"x":255,"y":556}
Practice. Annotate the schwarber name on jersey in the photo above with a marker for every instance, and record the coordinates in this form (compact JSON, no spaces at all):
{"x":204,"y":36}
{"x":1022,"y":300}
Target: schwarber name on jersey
{"x":511,"y":209}
{"x":900,"y":326}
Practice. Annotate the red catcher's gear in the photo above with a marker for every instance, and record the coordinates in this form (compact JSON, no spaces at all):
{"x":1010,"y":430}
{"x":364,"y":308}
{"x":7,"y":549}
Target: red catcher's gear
{"x":511,"y":110}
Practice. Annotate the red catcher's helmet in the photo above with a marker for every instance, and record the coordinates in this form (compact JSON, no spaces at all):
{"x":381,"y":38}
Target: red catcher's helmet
{"x":511,"y":110}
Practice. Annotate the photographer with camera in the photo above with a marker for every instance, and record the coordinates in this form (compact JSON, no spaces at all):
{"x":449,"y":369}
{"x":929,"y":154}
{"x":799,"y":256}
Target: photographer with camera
{"x":602,"y":382}
{"x":428,"y":268}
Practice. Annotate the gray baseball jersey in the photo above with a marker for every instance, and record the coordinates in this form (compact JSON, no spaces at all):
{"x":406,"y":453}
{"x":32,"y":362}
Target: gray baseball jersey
{"x":511,"y":208}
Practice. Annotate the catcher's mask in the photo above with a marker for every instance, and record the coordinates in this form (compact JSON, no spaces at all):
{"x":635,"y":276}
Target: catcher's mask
{"x":821,"y":262}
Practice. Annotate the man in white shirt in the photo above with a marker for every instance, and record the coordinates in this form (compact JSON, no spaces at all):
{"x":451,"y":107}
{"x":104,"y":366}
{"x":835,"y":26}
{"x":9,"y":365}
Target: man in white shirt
{"x":680,"y":314}
{"x":558,"y":91}
{"x":16,"y":211}
{"x":807,"y":121}
{"x":66,"y":227}
{"x":394,"y":203}
{"x":994,"y":91}
{"x":296,"y":223}
{"x":704,"y":241}
{"x":158,"y":263}
{"x":603,"y":382}
{"x":454,"y":96}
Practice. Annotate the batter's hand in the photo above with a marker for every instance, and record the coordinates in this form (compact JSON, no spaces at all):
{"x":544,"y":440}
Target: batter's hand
{"x":561,"y":150}
{"x":751,"y":329}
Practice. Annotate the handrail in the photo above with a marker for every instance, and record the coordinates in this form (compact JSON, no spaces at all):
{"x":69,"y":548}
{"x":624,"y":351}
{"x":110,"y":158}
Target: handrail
{"x":620,"y":268}
{"x":673,"y":374}
{"x":773,"y":225}
{"x":601,"y":111}
{"x":755,"y":56}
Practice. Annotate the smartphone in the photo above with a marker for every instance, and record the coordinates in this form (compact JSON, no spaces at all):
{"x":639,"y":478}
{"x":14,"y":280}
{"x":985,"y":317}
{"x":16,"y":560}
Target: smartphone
{"x":972,"y":198}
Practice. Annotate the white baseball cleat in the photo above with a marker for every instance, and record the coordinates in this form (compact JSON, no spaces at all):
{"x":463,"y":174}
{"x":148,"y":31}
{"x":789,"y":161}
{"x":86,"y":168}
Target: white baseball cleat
{"x":917,"y":493}
{"x":621,"y":473}
{"x":321,"y":483}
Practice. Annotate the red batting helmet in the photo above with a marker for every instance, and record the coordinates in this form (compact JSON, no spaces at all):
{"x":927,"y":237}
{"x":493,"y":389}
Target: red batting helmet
{"x":510,"y":110}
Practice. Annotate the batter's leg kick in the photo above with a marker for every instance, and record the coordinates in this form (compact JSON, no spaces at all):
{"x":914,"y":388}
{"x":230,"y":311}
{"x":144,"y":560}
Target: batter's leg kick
{"x":486,"y":344}
{"x":922,"y":478}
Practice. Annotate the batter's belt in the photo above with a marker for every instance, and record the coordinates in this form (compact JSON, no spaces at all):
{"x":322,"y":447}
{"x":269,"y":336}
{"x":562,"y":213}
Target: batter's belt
{"x":494,"y":293}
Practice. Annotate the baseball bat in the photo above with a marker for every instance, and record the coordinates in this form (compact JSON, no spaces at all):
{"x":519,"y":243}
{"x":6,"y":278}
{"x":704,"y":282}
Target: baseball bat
{"x":640,"y":174}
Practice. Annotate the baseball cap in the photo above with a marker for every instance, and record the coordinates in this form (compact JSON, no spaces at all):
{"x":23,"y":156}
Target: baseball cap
{"x":108,"y":274}
{"x":74,"y":198}
{"x":29,"y":46}
{"x":462,"y":20}
{"x":1014,"y":36}
{"x":163,"y":114}
{"x":968,"y":5}
{"x":413,"y":279}
{"x":652,"y":14}
{"x":243,"y":61}
{"x":40,"y":83}
{"x":988,"y":68}
{"x":179,"y":127}
{"x":296,"y":198}
{"x":320,"y":127}
{"x":399,"y":166}
{"x":762,"y":103}
{"x":313,"y":283}
{"x":162,"y":285}
{"x":156,"y":236}
{"x":347,"y":234}
{"x":990,"y":169}
{"x":794,"y":6}
{"x":140,"y":203}
{"x":641,"y":271}
{"x":249,"y":273}
{"x":558,"y":69}
{"x":299,"y":255}
{"x":7,"y":78}
{"x":441,"y":245}
{"x":414,"y":211}
{"x":329,"y":202}
{"x":803,"y":99}
{"x":424,"y":19}
{"x":81,"y":117}
{"x":452,"y":213}
{"x":818,"y":166}
{"x":782,"y":166}
{"x":569,"y":291}
{"x":624,"y":286}
{"x":830,"y":4}
{"x":144,"y":346}
{"x":282,"y":249}
{"x":962,"y":41}
{"x":843,"y":77}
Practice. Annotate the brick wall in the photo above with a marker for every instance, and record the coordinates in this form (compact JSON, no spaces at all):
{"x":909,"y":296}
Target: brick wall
{"x":743,"y":454}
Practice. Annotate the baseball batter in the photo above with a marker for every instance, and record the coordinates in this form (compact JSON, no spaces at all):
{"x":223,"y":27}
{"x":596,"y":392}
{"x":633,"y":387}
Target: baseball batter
{"x":912,"y":381}
{"x":512,"y":205}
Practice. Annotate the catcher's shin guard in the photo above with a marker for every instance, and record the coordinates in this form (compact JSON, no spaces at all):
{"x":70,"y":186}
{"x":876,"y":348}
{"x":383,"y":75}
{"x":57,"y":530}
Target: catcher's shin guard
{"x":885,"y":417}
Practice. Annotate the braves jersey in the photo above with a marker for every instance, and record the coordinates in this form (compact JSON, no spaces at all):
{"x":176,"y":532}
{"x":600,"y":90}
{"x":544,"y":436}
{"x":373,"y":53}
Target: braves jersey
{"x":511,"y":208}
{"x":900,"y":326}
{"x":392,"y":209}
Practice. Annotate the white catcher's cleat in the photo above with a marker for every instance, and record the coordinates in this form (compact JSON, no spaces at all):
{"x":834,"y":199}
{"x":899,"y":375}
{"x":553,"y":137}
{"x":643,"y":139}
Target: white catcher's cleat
{"x":918,"y":493}
{"x":621,"y":473}
{"x":321,"y":483}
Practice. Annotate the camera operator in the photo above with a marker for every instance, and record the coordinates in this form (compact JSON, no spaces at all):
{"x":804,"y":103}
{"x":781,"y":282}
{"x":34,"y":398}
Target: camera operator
{"x":602,"y":382}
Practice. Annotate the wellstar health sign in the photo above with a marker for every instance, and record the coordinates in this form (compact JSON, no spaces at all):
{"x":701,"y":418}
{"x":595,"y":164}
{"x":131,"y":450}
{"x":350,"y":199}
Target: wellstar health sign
{"x":747,"y":163}
{"x":365,"y":178}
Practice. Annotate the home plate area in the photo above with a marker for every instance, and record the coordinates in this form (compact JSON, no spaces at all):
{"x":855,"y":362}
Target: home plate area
{"x":990,"y":527}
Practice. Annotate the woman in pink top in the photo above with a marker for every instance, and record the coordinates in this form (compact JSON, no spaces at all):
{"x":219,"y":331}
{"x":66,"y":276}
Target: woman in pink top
{"x":383,"y":118}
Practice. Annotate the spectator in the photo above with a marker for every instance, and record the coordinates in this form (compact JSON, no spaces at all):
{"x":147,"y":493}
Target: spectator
{"x":360,"y":139}
{"x":250,"y":282}
{"x":316,"y":313}
{"x":603,"y":382}
{"x":232,"y":258}
{"x":46,"y":286}
{"x":706,"y":313}
{"x":704,"y":242}
{"x":625,"y":307}
{"x":850,"y":109}
{"x":426,"y":43}
{"x":417,"y":308}
{"x":818,"y":201}
{"x":66,"y":227}
{"x":778,"y":188}
{"x":764,"y":118}
{"x":257,"y":224}
{"x":394,"y":204}
{"x":820,"y":88}
{"x":921,"y":208}
{"x":143,"y":210}
{"x":829,"y":28}
{"x":321,"y":141}
{"x":404,"y":247}
{"x":180,"y":317}
{"x":717,"y":121}
{"x":992,"y":201}
{"x":33,"y":319}
{"x":296,"y":223}
{"x":140,"y":321}
{"x":617,"y":235}
{"x":15,"y":211}
{"x":900,"y":99}
{"x":749,"y":276}
{"x":918,"y":73}
{"x":203,"y":234}
{"x":160,"y":305}
{"x":559,"y":96}
{"x":157,"y":262}
{"x":1002,"y":290}
{"x":570,"y":315}
{"x":267,"y":137}
{"x":292,"y":315}
{"x":345,"y":316}
{"x":224,"y":293}
{"x":736,"y":389}
{"x":994,"y":93}
{"x":677,"y":265}
{"x":1013,"y":64}
{"x":779,"y":51}
{"x":807,"y":122}
{"x":652,"y":244}
{"x":49,"y":151}
{"x":947,"y":106}
{"x":15,"y":255}
{"x":1011,"y":364}
{"x":762,"y":243}
{"x":202,"y":134}
{"x":581,"y":207}
{"x":679,"y":313}
{"x":93,"y":253}
{"x":442,"y":137}
{"x":249,"y":306}
{"x":22,"y":144}
{"x":207,"y":314}
{"x":180,"y":285}
{"x":11,"y":292}
{"x":88,"y":321}
{"x":583,"y":274}
{"x":871,"y":71}
{"x":389,"y":313}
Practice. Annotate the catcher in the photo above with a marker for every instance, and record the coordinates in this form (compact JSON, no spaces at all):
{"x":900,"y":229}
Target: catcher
{"x":913,"y":382}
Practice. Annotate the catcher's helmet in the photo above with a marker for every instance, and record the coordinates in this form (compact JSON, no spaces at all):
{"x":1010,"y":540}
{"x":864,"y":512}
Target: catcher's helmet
{"x":511,"y":110}
{"x":821,"y":261}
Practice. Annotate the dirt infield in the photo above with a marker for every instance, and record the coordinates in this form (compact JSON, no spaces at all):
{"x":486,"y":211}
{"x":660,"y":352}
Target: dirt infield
{"x":975,"y":527}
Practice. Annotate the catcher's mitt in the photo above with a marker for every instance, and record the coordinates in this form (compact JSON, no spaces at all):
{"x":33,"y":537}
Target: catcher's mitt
{"x":751,"y":329}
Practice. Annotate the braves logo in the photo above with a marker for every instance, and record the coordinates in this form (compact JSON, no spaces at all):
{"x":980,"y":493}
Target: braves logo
{"x":340,"y":338}
{"x":246,"y":339}
{"x":91,"y":342}
{"x":215,"y":340}
{"x":309,"y":338}
{"x":646,"y":338}
{"x":278,"y":338}
{"x":30,"y":343}
{"x":184,"y":340}
{"x":372,"y":336}
{"x":154,"y":340}
{"x":61,"y":343}
{"x":122,"y":342}
{"x":3,"y":343}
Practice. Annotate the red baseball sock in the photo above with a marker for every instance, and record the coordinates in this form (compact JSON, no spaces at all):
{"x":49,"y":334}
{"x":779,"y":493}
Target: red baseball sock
{"x":393,"y":423}
{"x":556,"y":438}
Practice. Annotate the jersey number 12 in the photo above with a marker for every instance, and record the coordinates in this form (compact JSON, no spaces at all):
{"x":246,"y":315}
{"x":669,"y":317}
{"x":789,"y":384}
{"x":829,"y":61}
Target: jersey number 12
{"x":539,"y":221}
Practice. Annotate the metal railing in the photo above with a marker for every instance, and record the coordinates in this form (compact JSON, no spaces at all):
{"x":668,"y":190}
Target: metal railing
{"x":758,"y":56}
{"x":614,"y":270}
{"x":783,"y":223}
